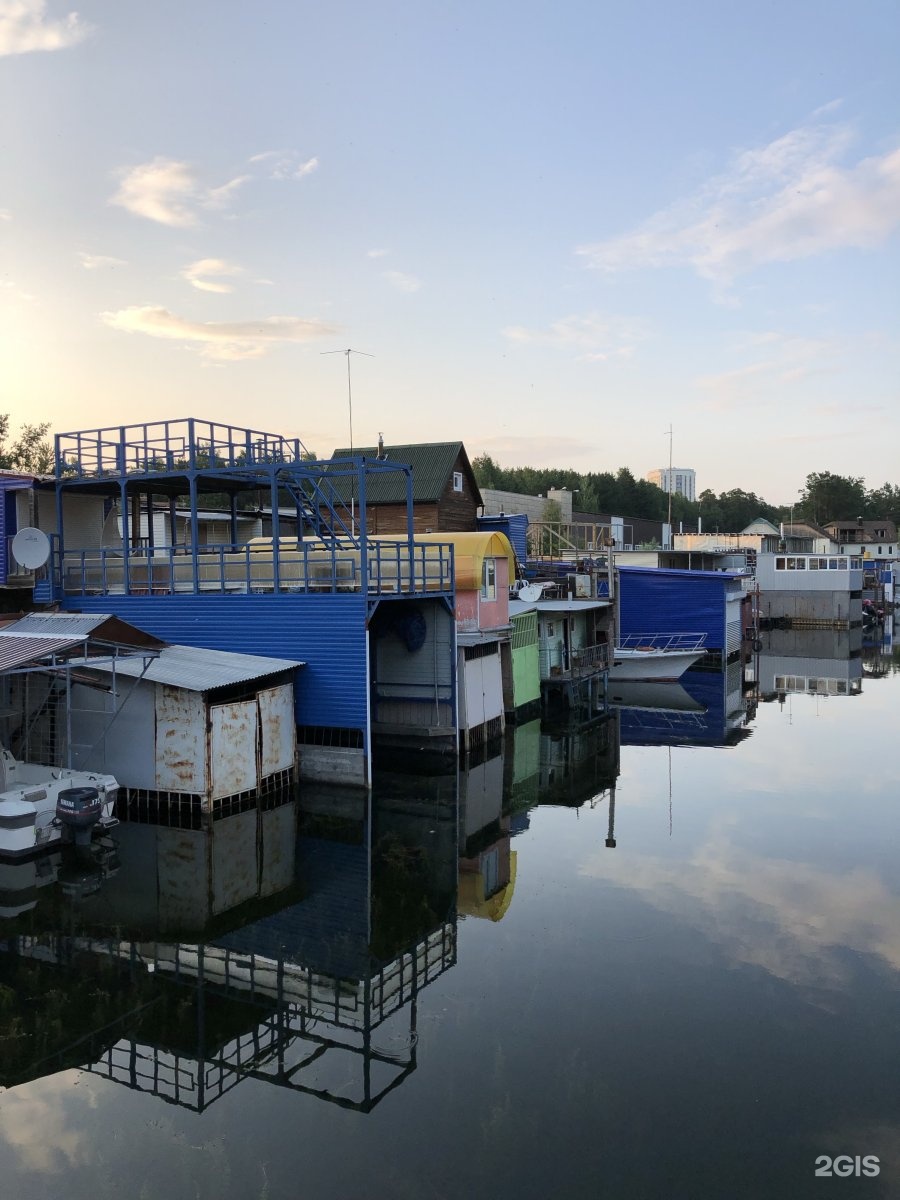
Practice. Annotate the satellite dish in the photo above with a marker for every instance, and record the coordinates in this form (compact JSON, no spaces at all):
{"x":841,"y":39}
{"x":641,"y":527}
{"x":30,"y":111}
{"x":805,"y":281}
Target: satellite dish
{"x":530,"y":592}
{"x":31,"y":548}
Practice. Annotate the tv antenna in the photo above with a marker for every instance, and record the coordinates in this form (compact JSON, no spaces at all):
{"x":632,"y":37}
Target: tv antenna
{"x":348,"y":352}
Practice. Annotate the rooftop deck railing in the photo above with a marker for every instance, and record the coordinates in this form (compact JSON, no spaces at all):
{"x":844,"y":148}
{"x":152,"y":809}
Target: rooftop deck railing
{"x":306,"y":566}
{"x":183,"y":445}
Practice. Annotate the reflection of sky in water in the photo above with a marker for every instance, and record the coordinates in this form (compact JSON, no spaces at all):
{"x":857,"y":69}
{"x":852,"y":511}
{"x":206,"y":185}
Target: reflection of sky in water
{"x":699,"y":1012}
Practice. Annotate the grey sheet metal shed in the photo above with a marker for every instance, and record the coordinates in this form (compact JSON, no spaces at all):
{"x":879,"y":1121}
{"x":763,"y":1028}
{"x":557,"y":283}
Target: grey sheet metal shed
{"x":201,"y":723}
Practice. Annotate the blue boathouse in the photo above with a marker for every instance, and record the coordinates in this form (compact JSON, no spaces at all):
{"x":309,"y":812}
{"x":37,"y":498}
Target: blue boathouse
{"x":657,"y":600}
{"x":372,"y":619}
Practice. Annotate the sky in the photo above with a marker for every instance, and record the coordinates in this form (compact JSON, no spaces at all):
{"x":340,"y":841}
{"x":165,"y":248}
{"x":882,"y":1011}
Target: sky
{"x":554,"y":231}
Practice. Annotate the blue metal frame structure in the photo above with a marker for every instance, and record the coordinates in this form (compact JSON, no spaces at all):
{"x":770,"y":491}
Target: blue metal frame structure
{"x":329,"y":580}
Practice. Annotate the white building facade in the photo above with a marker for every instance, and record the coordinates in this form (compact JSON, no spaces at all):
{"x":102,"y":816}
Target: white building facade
{"x":680,"y":481}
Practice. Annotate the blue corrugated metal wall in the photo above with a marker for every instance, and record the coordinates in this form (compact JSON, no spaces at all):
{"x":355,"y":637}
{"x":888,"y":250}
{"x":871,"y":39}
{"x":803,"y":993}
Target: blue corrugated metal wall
{"x":328,"y":633}
{"x":7,"y":523}
{"x":655,"y":600}
{"x":515,"y":526}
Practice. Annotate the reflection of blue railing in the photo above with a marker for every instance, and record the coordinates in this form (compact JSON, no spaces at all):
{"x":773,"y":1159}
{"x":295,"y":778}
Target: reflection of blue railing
{"x":298,"y":566}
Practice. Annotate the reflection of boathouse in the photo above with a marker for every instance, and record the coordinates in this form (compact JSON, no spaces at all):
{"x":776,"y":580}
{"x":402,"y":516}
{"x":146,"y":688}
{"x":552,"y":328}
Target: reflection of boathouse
{"x":316,"y":994}
{"x":372,"y":619}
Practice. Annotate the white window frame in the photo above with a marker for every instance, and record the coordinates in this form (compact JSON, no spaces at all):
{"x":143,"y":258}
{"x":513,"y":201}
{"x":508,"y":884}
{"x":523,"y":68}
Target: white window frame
{"x":457,"y":481}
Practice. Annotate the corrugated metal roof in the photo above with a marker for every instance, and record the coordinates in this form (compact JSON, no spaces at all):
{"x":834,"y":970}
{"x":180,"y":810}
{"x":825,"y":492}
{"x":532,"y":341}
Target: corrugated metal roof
{"x":19,"y":649}
{"x":197,"y":669}
{"x":72,"y":625}
{"x":517,"y":607}
{"x":431,"y":462}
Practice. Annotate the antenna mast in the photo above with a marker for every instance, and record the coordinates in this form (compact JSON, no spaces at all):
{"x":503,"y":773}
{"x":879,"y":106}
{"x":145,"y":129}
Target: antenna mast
{"x":669,"y":488}
{"x":348,"y":352}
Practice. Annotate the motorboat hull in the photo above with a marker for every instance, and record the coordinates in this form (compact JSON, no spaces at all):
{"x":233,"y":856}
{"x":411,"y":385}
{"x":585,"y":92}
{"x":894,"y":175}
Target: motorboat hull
{"x":646,"y":665}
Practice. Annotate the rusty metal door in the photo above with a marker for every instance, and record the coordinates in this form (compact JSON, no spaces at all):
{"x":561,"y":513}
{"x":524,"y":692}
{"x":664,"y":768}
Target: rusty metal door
{"x":277,"y":729}
{"x":180,"y":741}
{"x":232,"y":748}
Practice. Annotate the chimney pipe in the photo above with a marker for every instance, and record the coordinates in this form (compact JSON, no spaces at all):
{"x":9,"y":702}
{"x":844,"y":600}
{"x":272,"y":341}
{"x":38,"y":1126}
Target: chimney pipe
{"x":381,"y":445}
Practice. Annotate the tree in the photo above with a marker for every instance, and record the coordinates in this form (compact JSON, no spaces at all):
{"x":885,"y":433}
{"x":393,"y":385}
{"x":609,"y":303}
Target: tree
{"x":827,"y":497}
{"x":31,"y":451}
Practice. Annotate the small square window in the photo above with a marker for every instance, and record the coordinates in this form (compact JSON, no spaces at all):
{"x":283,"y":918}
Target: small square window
{"x":488,"y":580}
{"x":457,"y":481}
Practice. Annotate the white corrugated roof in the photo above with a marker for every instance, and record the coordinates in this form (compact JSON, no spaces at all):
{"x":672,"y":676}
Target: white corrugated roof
{"x":69,"y":625}
{"x":517,"y":607}
{"x":196,"y":669}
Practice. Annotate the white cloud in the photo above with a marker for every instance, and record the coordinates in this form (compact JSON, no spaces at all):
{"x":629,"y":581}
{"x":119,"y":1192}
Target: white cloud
{"x":377,"y":253}
{"x":25,"y":27}
{"x":221,"y":197}
{"x":93,"y":262}
{"x":169,"y":192}
{"x":206,"y":273}
{"x":5,"y":214}
{"x":597,"y":335}
{"x":402,"y":282}
{"x":223,"y":340}
{"x":286,"y":164}
{"x":787,"y":360}
{"x":162,"y":190}
{"x":787,"y":200}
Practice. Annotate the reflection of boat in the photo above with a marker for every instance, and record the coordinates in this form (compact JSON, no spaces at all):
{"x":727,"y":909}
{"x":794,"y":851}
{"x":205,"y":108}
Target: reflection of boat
{"x":33,"y":795}
{"x":656,"y":657}
{"x":660,"y":696}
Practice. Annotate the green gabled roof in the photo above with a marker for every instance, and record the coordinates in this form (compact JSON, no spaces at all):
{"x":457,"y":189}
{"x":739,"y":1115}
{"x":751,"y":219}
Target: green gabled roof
{"x":432,"y":465}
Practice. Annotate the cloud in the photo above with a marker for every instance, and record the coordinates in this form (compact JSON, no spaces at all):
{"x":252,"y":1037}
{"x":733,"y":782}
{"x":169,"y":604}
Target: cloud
{"x":5,"y":214}
{"x":162,"y":190}
{"x":597,"y":335}
{"x":93,"y":262}
{"x":792,"y":919}
{"x":198,"y":273}
{"x":25,"y":27}
{"x":286,"y":164}
{"x":223,"y":340}
{"x":402,"y":282}
{"x":787,"y":360}
{"x":168,"y":192}
{"x":377,"y":253}
{"x":788,"y":200}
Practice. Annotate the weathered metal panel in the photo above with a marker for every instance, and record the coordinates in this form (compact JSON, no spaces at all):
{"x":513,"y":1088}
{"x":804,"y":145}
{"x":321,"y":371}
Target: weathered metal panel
{"x":127,"y":747}
{"x":326,"y":632}
{"x":235,"y":864}
{"x":182,"y":878}
{"x":733,"y":623}
{"x":278,"y":837}
{"x":515,"y":526}
{"x":201,"y":670}
{"x":277,"y":730}
{"x":232,"y":748}
{"x":180,"y":741}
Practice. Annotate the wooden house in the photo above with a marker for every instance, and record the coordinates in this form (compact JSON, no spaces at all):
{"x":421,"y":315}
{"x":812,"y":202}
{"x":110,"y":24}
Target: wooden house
{"x":445,"y":494}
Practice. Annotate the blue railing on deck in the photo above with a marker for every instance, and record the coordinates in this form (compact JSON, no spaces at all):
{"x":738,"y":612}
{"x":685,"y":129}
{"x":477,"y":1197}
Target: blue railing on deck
{"x":376,"y":568}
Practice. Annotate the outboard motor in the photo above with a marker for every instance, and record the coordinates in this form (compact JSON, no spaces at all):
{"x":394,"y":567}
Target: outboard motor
{"x":78,"y":810}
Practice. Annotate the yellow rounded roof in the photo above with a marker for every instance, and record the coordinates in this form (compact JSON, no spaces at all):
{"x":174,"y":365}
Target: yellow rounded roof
{"x":470,"y":550}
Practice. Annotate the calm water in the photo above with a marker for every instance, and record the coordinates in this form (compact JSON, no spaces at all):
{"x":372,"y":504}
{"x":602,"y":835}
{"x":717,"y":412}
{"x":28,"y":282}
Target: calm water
{"x":654,"y":958}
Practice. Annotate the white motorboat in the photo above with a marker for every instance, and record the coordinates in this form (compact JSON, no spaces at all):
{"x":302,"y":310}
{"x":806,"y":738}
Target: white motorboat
{"x":657,"y":657}
{"x":41,"y":805}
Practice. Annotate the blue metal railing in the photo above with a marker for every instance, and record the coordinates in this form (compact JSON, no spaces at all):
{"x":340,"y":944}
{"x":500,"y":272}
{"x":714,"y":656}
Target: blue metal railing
{"x":298,"y":566}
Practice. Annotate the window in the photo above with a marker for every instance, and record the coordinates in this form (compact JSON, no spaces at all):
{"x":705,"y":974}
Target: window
{"x":457,"y":481}
{"x":488,"y":580}
{"x":779,"y":564}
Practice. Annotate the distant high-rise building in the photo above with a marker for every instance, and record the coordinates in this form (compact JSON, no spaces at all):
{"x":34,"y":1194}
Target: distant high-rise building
{"x":680,"y":481}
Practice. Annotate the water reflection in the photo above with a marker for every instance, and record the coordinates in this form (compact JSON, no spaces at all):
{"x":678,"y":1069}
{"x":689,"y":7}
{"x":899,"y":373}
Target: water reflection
{"x":244,"y":951}
{"x":602,"y":954}
{"x":823,"y":662}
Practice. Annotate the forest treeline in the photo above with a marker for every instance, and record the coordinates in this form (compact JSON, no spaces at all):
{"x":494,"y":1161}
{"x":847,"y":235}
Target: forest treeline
{"x":824,"y":497}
